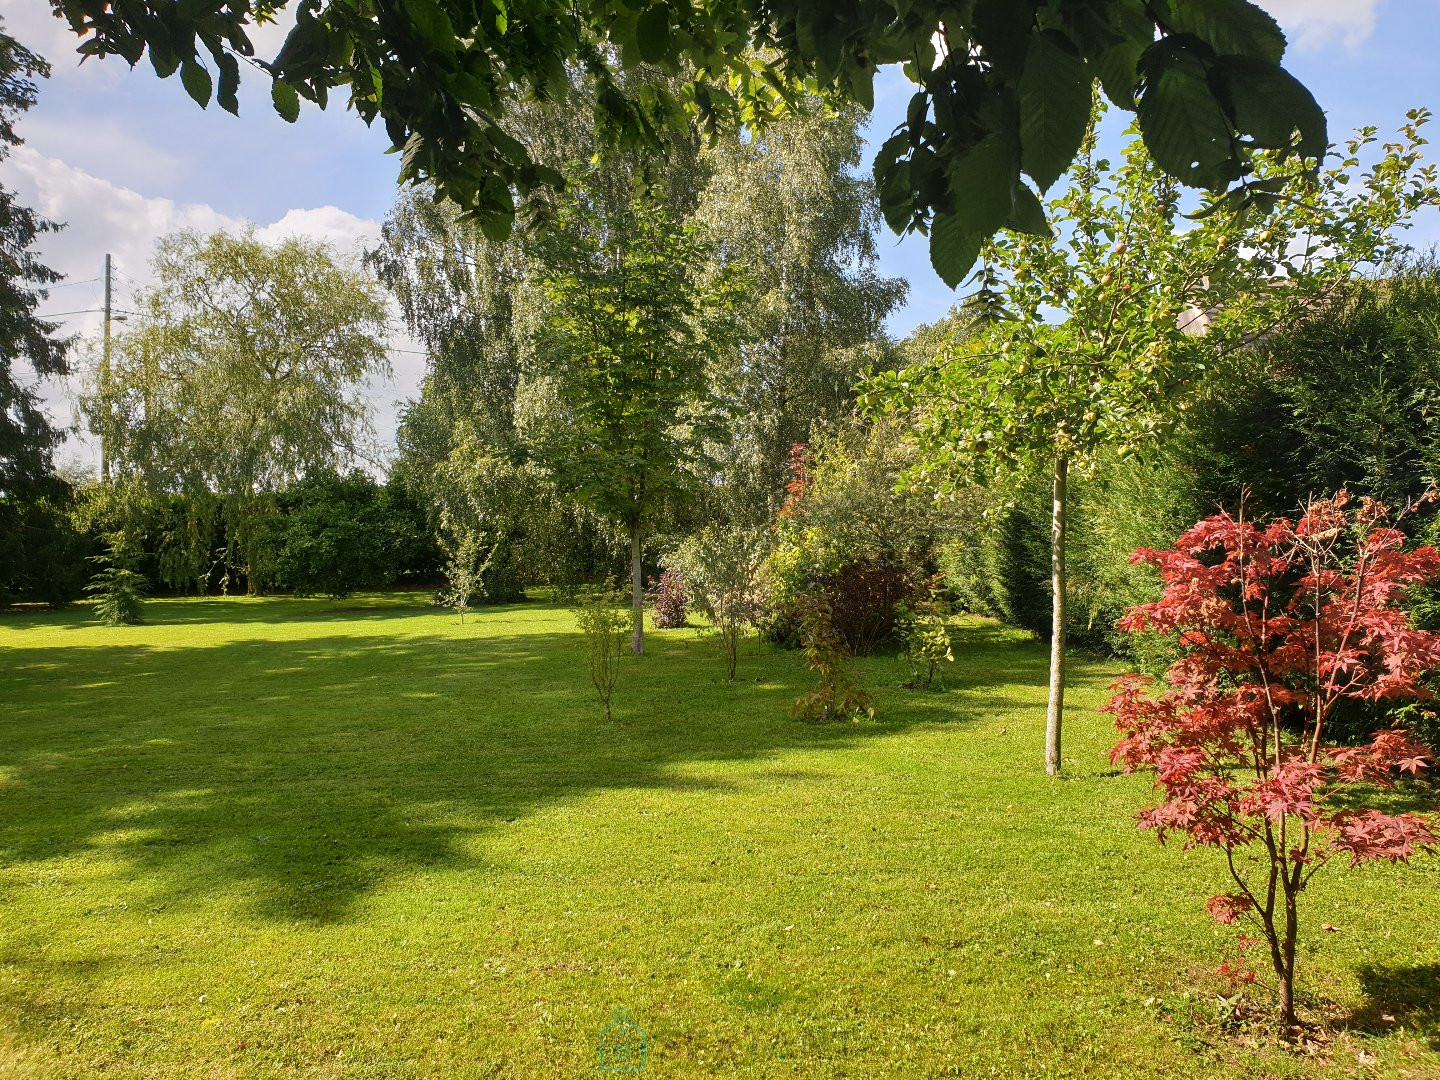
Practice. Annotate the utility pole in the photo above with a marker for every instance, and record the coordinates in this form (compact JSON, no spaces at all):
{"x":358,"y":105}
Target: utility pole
{"x":105,"y":385}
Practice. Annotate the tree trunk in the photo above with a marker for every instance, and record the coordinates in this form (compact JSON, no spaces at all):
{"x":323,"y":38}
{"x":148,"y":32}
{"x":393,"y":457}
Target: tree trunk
{"x":1056,"y":704}
{"x":1286,"y":977}
{"x":637,"y":595}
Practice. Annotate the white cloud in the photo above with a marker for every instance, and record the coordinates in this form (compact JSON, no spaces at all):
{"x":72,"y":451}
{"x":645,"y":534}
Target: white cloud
{"x":1318,"y":24}
{"x":103,"y":217}
{"x":339,"y":228}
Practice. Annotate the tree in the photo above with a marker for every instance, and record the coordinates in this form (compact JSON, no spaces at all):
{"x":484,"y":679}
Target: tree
{"x":1094,"y":338}
{"x":1278,"y":627}
{"x":628,"y":332}
{"x":1003,"y":85}
{"x":244,"y":376}
{"x":720,"y":565}
{"x":786,"y":206}
{"x":26,"y":436}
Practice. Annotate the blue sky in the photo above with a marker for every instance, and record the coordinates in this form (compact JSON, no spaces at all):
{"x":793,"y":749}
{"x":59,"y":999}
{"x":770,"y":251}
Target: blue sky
{"x":123,"y":157}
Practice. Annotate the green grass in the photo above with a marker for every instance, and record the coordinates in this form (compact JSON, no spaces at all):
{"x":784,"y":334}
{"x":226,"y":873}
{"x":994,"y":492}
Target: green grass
{"x":279,"y":838}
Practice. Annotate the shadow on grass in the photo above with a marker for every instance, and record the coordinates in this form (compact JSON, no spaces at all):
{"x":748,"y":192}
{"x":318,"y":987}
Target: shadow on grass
{"x":1408,"y":993}
{"x":301,"y":774}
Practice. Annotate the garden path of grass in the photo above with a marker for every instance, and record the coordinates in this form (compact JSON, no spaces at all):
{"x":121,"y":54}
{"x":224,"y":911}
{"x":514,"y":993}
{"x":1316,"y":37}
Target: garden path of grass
{"x":281,"y":838}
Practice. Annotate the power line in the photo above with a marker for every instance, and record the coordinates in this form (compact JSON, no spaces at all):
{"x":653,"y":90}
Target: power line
{"x":62,"y":314}
{"x":70,"y":284}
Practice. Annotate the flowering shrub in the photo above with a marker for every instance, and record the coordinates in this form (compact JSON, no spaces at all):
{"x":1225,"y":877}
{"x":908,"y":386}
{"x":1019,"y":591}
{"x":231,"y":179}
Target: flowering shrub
{"x":1277,"y":627}
{"x":668,"y":601}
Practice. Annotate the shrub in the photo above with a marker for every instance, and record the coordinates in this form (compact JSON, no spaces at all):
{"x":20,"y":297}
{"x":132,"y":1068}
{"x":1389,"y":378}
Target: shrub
{"x":849,"y":533}
{"x":838,"y":693}
{"x":117,"y":591}
{"x":331,"y":535}
{"x":42,"y":556}
{"x":668,"y":602}
{"x":606,"y":626}
{"x":722,"y":566}
{"x":926,"y":641}
{"x":1280,"y":627}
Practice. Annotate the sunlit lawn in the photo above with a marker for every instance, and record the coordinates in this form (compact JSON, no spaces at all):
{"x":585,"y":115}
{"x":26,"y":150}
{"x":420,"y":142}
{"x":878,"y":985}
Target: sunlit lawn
{"x":303,"y":838}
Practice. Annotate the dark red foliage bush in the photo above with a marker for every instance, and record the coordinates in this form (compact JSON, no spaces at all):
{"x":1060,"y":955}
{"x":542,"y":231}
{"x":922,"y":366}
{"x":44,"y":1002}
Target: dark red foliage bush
{"x":862,"y":598}
{"x":1278,"y":627}
{"x":668,"y":601}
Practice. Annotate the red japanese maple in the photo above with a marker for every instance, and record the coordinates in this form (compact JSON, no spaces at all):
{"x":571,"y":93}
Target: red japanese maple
{"x":1277,"y":626}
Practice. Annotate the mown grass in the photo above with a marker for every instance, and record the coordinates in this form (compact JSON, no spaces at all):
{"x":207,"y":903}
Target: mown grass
{"x":279,"y":838}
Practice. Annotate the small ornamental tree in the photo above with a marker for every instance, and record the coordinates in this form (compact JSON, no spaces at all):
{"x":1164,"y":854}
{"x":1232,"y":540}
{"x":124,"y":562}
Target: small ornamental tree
{"x":1278,"y":628}
{"x":721,"y":566}
{"x":604,"y":625}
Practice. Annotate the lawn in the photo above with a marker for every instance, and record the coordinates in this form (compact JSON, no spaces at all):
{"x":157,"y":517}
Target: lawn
{"x":281,"y":838}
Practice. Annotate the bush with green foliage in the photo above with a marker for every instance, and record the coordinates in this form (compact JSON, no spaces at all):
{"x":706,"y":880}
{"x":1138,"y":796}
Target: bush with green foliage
{"x":118,"y":592}
{"x":722,"y":566}
{"x":332,"y":535}
{"x":926,"y":640}
{"x":42,"y":555}
{"x":850,"y":534}
{"x":838,"y":693}
{"x":605,"y":625}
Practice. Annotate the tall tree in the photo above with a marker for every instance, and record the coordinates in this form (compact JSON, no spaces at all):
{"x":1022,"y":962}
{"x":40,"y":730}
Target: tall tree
{"x":245,"y":373}
{"x":1003,"y":85}
{"x":37,"y":549}
{"x":26,"y":436}
{"x":630,"y":326}
{"x":787,"y":207}
{"x":1100,"y":332}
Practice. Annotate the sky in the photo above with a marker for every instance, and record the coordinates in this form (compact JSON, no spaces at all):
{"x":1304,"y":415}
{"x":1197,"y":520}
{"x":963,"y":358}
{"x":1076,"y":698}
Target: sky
{"x":122,"y":158}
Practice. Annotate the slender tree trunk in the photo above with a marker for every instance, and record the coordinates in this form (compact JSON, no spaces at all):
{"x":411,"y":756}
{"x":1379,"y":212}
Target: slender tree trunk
{"x":637,"y":594}
{"x":1286,"y":978}
{"x":1056,"y":705}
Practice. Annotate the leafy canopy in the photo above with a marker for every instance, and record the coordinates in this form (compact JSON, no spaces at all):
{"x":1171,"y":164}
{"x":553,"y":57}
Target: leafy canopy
{"x":1098,"y":335}
{"x":629,"y":327}
{"x":1003,"y":86}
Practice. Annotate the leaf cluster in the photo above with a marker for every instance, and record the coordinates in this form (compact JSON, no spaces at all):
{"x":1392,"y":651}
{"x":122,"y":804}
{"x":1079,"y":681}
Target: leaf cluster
{"x":1004,"y":85}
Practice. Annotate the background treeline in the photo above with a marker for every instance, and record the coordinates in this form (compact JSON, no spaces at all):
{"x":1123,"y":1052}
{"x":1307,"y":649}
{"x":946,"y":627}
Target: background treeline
{"x":327,"y":534}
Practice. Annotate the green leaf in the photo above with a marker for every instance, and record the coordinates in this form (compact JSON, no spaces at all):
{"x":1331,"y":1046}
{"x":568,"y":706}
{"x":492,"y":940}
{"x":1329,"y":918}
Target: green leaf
{"x":652,"y":34}
{"x":982,"y":185}
{"x":1230,"y":27}
{"x":1054,"y":107}
{"x":1002,"y":28}
{"x":286,"y":100}
{"x":229,"y":83}
{"x":1270,"y":105}
{"x":1028,"y":215}
{"x":164,"y":61}
{"x":431,"y":24}
{"x":197,"y":82}
{"x":1119,"y":71}
{"x":1183,"y":125}
{"x":497,"y":226}
{"x":953,"y":248}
